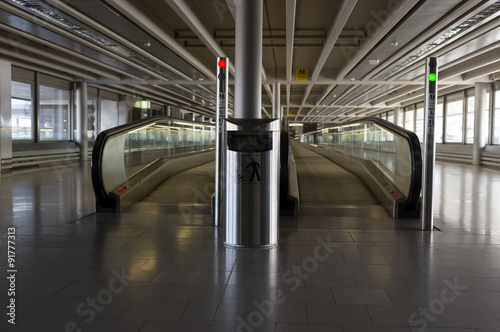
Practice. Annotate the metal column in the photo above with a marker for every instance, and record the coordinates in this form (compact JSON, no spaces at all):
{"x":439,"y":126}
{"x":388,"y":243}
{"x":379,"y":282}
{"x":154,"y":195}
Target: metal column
{"x":277,"y":100}
{"x":221,"y":110}
{"x":251,"y":204}
{"x":248,"y":60}
{"x":398,"y":116}
{"x":480,"y":123}
{"x":5,"y":115}
{"x":81,"y":121}
{"x":431,"y":82}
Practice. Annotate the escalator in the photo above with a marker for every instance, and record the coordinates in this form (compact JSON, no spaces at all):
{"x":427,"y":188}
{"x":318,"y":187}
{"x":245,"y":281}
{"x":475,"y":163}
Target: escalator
{"x":360,"y":168}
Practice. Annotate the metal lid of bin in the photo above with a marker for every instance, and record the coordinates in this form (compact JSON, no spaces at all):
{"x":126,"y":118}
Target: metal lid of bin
{"x":252,"y":124}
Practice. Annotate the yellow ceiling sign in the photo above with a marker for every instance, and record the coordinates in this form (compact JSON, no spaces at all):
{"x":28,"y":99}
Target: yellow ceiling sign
{"x":293,"y":113}
{"x":301,"y":74}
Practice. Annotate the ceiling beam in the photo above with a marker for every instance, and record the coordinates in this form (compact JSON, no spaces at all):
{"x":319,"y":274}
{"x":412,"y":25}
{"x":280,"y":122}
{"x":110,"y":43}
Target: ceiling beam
{"x":463,"y":67}
{"x":291,"y":6}
{"x":339,"y":20}
{"x":483,"y":71}
{"x":140,"y":18}
{"x":461,"y":9}
{"x":372,"y":41}
{"x":188,"y":16}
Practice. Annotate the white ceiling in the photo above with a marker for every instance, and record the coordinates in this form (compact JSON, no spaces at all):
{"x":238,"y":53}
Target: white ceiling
{"x":166,"y":50}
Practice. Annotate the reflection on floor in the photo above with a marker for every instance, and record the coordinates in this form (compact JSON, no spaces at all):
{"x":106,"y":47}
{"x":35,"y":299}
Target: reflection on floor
{"x":169,"y":272}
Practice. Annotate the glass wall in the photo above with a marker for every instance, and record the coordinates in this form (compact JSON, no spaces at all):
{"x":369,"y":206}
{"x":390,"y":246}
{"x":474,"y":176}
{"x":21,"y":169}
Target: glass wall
{"x":54,"y":114}
{"x":409,"y":120}
{"x":454,"y":121}
{"x":109,"y":114}
{"x":470,"y":109}
{"x":419,"y":124}
{"x":438,"y":122}
{"x":496,"y":122}
{"x":22,"y":111}
{"x":91,"y":117}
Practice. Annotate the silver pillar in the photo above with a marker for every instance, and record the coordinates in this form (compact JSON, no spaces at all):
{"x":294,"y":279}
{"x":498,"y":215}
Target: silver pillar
{"x":276,"y":100}
{"x":81,"y":120}
{"x":398,"y":116}
{"x":431,"y":72}
{"x":248,"y":59}
{"x":5,"y":115}
{"x":480,"y":123}
{"x":221,"y":114}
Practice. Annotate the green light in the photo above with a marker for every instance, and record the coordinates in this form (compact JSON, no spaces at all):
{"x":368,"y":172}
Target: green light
{"x":432,"y":77}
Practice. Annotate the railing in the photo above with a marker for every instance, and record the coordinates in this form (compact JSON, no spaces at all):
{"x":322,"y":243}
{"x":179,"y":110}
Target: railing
{"x":394,"y":151}
{"x":125,"y":151}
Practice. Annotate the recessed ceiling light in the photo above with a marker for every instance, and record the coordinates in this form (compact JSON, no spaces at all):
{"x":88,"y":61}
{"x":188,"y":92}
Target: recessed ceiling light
{"x":374,"y":62}
{"x":352,"y":78}
{"x":395,"y":43}
{"x":147,"y":44}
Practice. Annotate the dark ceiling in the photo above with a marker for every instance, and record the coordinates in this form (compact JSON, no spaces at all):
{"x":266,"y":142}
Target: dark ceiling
{"x":363,"y":56}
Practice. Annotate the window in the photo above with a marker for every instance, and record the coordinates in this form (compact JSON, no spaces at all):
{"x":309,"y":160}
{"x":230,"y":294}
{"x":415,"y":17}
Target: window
{"x":22,"y":111}
{"x":54,"y":114}
{"x":469,"y":138}
{"x":409,"y":122}
{"x":91,"y":117}
{"x":390,"y":117}
{"x":454,"y":121}
{"x":109,"y":114}
{"x":496,"y":122}
{"x":420,"y":123}
{"x":438,"y":123}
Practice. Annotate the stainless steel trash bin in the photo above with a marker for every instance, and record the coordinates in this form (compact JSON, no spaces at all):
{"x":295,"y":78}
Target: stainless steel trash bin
{"x":252,"y":182}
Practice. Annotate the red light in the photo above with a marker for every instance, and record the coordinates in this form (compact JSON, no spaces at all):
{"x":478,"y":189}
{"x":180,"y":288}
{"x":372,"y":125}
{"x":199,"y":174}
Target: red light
{"x":222,"y":63}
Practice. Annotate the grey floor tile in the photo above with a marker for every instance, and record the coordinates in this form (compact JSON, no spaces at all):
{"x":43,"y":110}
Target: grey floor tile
{"x":328,"y":281}
{"x":42,"y":305}
{"x":361,"y":296}
{"x":188,"y":277}
{"x":200,"y":310}
{"x":281,"y":311}
{"x":307,"y":295}
{"x":41,"y":287}
{"x":338,"y":314}
{"x":154,"y":325}
{"x":379,"y":282}
{"x":103,"y":324}
{"x":155,"y":308}
{"x":349,"y":269}
{"x":98,"y":305}
{"x":241,"y":326}
{"x":230,"y":311}
{"x":205,"y":292}
{"x":348,"y":328}
{"x":284,"y":327}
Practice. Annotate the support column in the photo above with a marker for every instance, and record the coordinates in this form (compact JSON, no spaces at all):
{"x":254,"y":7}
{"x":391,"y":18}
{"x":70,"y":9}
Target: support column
{"x":5,"y":115}
{"x":81,"y":120}
{"x":480,"y":123}
{"x":398,"y":116}
{"x":276,"y":100}
{"x":248,"y":59}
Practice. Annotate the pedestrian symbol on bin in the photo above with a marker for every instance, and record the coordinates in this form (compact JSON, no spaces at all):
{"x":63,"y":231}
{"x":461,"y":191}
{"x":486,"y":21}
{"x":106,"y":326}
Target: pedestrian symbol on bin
{"x":255,"y":170}
{"x":250,"y":174}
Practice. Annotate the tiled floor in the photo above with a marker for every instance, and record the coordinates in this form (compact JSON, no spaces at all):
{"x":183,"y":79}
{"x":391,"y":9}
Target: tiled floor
{"x":169,"y":272}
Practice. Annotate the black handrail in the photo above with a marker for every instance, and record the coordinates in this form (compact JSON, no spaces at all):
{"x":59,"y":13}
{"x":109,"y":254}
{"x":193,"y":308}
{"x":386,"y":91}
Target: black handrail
{"x":104,"y":136}
{"x":415,"y":149}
